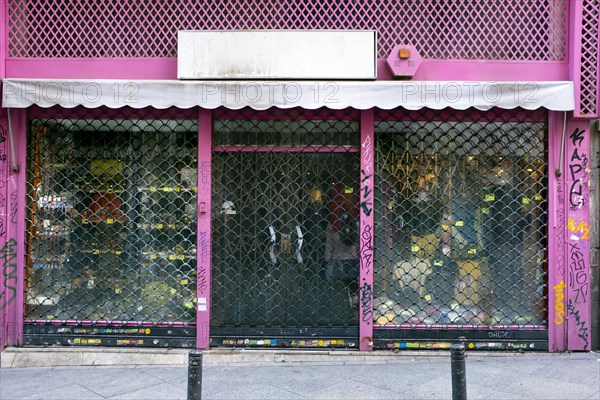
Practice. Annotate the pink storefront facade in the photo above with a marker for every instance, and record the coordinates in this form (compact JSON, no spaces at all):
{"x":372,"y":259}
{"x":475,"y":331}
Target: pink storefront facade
{"x":138,"y":210}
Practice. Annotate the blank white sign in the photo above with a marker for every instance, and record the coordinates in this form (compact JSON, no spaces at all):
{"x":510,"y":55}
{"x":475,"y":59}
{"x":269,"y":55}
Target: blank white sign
{"x":321,"y":55}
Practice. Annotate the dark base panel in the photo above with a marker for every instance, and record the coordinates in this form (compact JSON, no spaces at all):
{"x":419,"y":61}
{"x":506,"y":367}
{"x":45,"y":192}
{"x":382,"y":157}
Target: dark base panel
{"x":489,"y":339}
{"x":455,"y":334}
{"x":107,"y":335}
{"x":298,"y":337}
{"x":424,"y":344}
{"x":111,"y":341}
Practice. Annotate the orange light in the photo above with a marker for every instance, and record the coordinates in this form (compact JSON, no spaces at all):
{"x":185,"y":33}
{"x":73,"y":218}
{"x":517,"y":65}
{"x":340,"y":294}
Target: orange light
{"x":404,"y":54}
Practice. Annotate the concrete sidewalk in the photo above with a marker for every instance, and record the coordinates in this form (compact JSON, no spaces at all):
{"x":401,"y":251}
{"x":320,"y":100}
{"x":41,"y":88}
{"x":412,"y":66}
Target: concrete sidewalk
{"x":346,"y":375}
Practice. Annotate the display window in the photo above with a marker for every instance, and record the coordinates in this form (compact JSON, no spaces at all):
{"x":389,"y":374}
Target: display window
{"x":111,"y":228}
{"x":461,"y":235}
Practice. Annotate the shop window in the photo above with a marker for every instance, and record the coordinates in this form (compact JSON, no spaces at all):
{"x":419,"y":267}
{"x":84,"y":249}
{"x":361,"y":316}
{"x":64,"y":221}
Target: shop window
{"x":460,"y":222}
{"x":111,"y":229}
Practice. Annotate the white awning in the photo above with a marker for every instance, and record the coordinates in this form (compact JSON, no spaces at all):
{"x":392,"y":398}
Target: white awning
{"x":261,"y":95}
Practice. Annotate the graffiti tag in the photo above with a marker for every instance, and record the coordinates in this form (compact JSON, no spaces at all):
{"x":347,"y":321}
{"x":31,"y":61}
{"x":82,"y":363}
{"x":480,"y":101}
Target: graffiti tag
{"x":366,"y":248}
{"x":582,"y":329}
{"x":578,"y":277}
{"x":8,"y":254}
{"x":559,"y":303}
{"x":366,"y":301}
{"x":581,"y":227}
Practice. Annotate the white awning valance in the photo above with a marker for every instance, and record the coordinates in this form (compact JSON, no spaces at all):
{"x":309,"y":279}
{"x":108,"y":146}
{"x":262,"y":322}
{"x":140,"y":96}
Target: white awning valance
{"x":261,"y":95}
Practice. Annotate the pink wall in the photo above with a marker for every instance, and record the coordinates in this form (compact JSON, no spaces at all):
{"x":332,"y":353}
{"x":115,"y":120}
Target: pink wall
{"x":557,"y":340}
{"x":577,"y":234}
{"x":12,"y":220}
{"x":203,"y":277}
{"x":569,"y":308}
{"x":166,"y":68}
{"x":367,"y":215}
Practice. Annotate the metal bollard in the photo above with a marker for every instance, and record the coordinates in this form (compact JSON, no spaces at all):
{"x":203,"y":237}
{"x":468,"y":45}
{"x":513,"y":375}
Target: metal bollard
{"x":195,"y":375}
{"x":459,"y":377}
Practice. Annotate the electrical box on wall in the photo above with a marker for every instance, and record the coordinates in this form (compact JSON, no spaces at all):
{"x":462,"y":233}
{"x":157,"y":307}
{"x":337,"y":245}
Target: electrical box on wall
{"x":404,"y":61}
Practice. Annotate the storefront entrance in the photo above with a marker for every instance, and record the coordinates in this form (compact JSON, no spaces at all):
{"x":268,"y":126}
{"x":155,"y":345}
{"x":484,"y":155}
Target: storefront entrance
{"x":285,"y":233}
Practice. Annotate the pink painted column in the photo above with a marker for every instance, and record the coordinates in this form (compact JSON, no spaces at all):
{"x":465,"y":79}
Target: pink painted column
{"x":367,"y":185}
{"x":203,"y":282}
{"x":6,"y":293}
{"x":577,"y":234}
{"x":12,"y":227}
{"x":557,"y":341}
{"x":3,"y":175}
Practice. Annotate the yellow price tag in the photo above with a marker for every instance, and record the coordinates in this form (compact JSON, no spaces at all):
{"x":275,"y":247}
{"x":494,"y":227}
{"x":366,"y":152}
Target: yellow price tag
{"x":414,"y":248}
{"x":167,"y":189}
{"x":348,"y":190}
{"x":185,"y":281}
{"x":177,"y":189}
{"x":537,"y":197}
{"x":438,"y":263}
{"x":472,"y":251}
{"x":96,"y":252}
{"x":460,"y":223}
{"x":485,"y":210}
{"x":118,"y":252}
{"x":118,"y":291}
{"x":110,"y":221}
{"x":172,"y":257}
{"x":427,"y":297}
{"x":524,"y":200}
{"x":153,"y":188}
{"x":181,"y":257}
{"x":153,"y":256}
{"x":85,"y":221}
{"x":445,"y":227}
{"x":490,"y":197}
{"x":160,"y":226}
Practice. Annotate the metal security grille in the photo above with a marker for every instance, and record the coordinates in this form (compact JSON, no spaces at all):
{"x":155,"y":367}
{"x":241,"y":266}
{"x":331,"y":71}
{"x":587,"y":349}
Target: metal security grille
{"x":460,"y":220}
{"x":458,"y":30}
{"x":111,"y":232}
{"x":285,"y":221}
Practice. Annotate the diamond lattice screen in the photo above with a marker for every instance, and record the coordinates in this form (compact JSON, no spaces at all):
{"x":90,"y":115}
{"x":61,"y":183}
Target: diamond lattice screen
{"x":440,"y":29}
{"x":285,"y":220}
{"x":111,"y":230}
{"x":460,"y":220}
{"x":589,"y":58}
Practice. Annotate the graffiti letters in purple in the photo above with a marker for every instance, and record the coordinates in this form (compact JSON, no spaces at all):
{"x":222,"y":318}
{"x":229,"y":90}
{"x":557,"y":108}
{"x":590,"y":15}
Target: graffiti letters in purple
{"x":366,"y":177}
{"x":366,"y":248}
{"x":578,"y":274}
{"x":204,"y":178}
{"x":8,"y":254}
{"x":578,"y":163}
{"x":204,"y":261}
{"x":560,"y":242}
{"x":13,"y":208}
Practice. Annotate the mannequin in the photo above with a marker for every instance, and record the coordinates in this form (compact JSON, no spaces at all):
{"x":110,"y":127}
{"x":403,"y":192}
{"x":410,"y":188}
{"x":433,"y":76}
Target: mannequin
{"x":503,"y":236}
{"x":314,"y":228}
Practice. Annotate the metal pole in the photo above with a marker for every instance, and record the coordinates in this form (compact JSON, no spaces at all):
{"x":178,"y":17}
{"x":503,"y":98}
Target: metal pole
{"x":195,"y":375}
{"x":459,"y":377}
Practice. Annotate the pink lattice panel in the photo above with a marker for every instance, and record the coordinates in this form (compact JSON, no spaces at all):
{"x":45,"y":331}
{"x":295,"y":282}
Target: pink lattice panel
{"x":590,"y":62}
{"x":439,"y":29}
